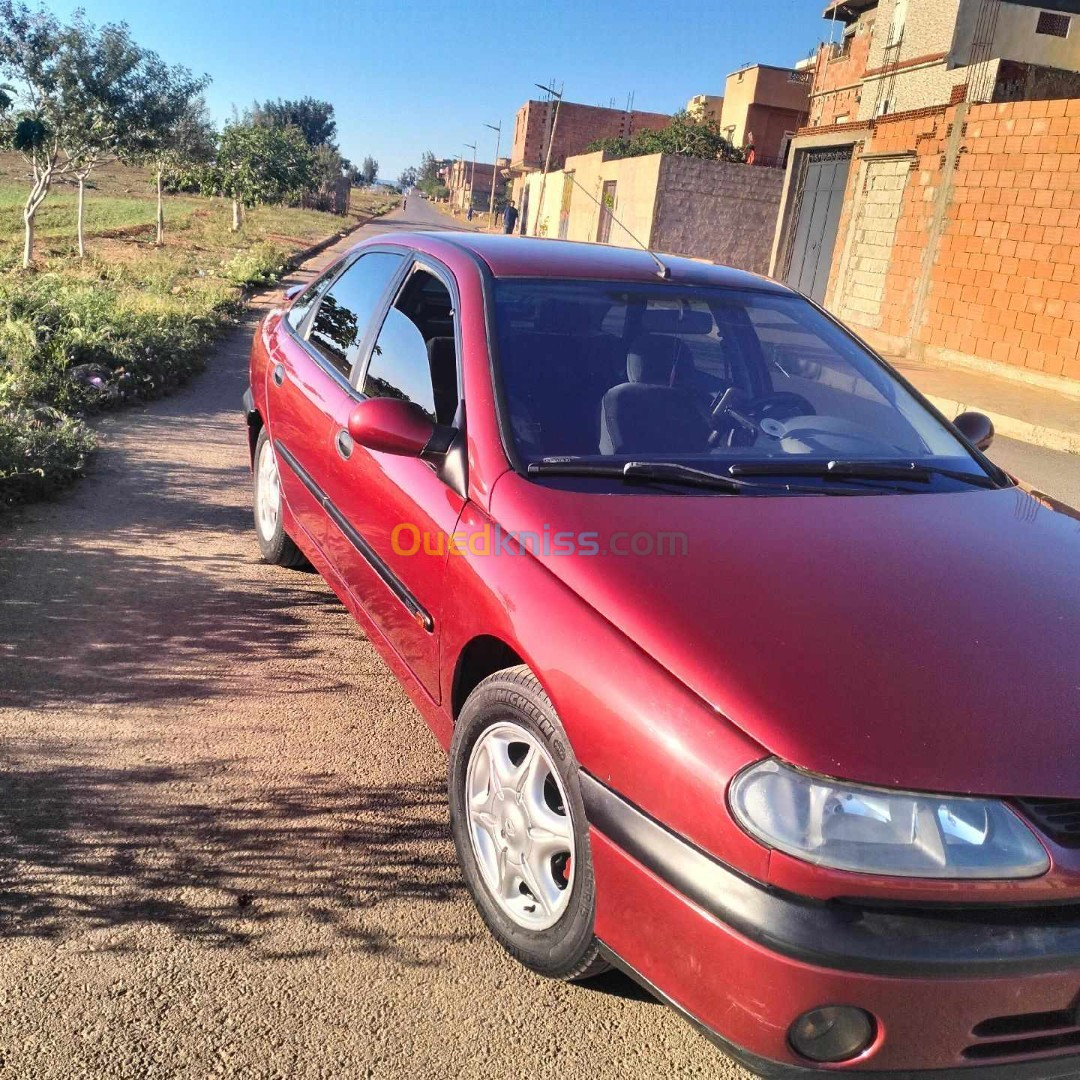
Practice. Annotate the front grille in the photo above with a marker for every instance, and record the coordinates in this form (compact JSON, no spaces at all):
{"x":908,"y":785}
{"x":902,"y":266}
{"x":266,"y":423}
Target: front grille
{"x":1058,"y":818}
{"x":1025,"y":1035}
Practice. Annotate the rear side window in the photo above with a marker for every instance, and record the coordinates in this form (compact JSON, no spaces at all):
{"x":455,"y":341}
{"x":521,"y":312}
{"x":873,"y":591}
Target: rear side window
{"x":309,"y":297}
{"x":345,"y":311}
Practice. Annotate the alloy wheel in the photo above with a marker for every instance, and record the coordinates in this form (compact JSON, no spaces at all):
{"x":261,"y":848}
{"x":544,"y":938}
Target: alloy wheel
{"x":522,"y":835}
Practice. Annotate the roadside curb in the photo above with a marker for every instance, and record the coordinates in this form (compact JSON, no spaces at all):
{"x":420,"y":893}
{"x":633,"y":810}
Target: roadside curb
{"x":1012,"y":428}
{"x":298,"y":258}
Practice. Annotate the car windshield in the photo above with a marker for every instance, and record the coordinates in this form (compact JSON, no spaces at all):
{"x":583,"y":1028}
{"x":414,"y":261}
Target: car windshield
{"x":753,"y":382}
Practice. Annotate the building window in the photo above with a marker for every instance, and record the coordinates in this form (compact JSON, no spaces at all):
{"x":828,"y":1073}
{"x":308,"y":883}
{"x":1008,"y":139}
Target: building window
{"x":1053,"y":24}
{"x":845,"y":45}
{"x":899,"y":17}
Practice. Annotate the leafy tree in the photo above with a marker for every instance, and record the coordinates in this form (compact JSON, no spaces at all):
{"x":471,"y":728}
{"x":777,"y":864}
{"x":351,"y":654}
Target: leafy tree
{"x":329,"y":166}
{"x":408,"y":178}
{"x":314,"y":118}
{"x":34,"y":52}
{"x":176,"y":135}
{"x":259,"y":164}
{"x":369,"y":170}
{"x":101,"y":87}
{"x":427,"y":179}
{"x":684,"y":135}
{"x":125,"y":102}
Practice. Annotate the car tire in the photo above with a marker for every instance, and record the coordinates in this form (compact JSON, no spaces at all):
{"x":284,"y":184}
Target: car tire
{"x":276,"y":545}
{"x":508,"y":737}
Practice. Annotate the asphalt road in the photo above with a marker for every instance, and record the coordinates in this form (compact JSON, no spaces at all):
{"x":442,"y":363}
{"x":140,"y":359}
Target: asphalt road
{"x":224,"y":847}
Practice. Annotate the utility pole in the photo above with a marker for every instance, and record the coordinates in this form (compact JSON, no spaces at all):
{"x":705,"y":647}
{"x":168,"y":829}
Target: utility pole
{"x":472,"y":176}
{"x":557,"y":95}
{"x":495,"y":168}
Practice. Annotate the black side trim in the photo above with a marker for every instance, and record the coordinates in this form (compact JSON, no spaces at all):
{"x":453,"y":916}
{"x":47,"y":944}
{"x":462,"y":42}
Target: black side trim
{"x":250,"y":412}
{"x":390,"y":579}
{"x":1052,"y":1069}
{"x":985,"y":942}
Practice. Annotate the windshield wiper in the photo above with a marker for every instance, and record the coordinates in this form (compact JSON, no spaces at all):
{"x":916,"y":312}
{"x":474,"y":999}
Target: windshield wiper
{"x":646,"y":471}
{"x":662,"y":472}
{"x":860,"y":470}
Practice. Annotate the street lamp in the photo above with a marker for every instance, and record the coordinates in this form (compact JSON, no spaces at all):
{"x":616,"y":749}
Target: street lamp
{"x":472,"y":176}
{"x":497,"y":128}
{"x":557,"y":95}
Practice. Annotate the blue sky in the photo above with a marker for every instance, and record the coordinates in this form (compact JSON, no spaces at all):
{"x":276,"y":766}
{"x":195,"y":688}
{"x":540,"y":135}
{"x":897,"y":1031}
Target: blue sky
{"x":405,"y":77}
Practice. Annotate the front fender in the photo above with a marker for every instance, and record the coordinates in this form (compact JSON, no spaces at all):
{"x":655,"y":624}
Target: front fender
{"x":631,"y":724}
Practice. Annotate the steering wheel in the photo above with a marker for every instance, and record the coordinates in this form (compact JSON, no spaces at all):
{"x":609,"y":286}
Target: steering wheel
{"x":738,"y":419}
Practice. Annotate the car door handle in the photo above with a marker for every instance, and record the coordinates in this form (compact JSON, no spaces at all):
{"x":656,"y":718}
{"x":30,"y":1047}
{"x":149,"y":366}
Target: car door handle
{"x":279,"y":374}
{"x":344,"y":443}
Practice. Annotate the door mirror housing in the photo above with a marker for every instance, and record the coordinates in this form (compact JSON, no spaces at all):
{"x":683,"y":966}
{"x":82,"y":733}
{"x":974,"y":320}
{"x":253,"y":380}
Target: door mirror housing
{"x":392,"y":426}
{"x":976,"y":428}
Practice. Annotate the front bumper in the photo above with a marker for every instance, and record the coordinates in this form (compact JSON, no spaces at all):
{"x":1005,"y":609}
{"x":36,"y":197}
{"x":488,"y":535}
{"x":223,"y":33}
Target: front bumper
{"x":970,"y":993}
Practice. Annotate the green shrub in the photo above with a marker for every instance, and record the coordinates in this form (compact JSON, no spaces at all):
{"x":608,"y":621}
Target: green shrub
{"x":42,"y":451}
{"x":261,"y":264}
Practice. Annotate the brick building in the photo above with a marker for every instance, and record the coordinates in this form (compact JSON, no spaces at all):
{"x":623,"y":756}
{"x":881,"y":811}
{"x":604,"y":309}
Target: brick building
{"x":575,"y":128}
{"x":897,"y":57}
{"x":765,"y":106}
{"x":463,"y":181}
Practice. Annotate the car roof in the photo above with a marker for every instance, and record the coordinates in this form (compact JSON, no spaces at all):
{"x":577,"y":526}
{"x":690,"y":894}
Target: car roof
{"x":522,"y":256}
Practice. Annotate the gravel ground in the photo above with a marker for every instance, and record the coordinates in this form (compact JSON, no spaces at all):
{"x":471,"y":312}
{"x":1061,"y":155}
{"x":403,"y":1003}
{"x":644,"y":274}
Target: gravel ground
{"x":224,"y":847}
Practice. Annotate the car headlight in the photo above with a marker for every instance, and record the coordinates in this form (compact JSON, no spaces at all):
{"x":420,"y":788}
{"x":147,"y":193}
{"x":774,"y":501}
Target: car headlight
{"x":881,"y":831}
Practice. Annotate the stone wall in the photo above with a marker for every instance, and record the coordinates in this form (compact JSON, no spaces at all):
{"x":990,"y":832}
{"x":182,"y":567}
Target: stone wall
{"x":717,"y":210}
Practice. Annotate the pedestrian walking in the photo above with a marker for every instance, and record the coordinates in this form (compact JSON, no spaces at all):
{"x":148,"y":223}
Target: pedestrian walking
{"x":510,"y":216}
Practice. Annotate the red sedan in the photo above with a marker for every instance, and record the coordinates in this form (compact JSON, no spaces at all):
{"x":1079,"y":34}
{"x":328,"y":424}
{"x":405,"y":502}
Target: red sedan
{"x":758,"y":679}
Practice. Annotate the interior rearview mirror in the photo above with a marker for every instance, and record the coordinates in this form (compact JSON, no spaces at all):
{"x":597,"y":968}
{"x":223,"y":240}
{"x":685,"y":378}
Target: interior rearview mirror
{"x":391,"y":426}
{"x":976,"y":428}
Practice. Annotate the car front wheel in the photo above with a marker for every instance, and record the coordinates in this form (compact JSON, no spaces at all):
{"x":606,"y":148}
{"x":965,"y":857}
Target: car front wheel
{"x":519,"y":826}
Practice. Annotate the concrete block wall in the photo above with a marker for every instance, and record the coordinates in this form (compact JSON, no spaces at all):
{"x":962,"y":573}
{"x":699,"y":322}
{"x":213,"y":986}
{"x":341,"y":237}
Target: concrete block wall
{"x":872,"y":239}
{"x":717,"y":210}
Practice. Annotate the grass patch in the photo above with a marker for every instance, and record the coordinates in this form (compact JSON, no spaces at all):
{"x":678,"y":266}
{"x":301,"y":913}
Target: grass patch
{"x":131,"y":321}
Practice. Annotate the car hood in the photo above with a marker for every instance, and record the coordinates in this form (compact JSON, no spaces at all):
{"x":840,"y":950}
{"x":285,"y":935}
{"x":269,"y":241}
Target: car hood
{"x":927,"y":641}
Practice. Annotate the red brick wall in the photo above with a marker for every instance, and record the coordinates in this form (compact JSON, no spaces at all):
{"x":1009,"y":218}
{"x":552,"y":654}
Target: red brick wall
{"x":999,"y":277}
{"x":837,"y":78}
{"x":1007,"y":280}
{"x":577,"y":126}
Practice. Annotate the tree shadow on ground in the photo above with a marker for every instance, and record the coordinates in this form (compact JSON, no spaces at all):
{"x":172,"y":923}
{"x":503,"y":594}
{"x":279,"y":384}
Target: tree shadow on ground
{"x":82,"y":625}
{"x":88,"y":848}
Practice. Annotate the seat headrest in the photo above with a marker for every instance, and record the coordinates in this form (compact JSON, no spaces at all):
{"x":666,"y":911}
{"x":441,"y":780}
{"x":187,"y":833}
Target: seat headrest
{"x":676,"y":321}
{"x":440,"y":351}
{"x":656,"y":359}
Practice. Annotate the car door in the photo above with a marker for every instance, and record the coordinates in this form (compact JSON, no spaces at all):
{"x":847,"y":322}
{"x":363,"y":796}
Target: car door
{"x":309,"y":396}
{"x":401,"y":512}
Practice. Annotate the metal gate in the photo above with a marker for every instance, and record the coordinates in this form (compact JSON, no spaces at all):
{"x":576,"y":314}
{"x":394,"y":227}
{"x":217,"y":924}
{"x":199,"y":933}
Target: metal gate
{"x":815,"y":219}
{"x":564,"y":208}
{"x":607,"y":207}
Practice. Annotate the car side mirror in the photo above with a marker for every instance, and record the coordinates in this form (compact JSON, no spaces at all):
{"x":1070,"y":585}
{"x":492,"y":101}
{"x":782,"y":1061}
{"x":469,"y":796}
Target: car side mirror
{"x":976,"y":428}
{"x":392,"y":426}
{"x":294,"y":291}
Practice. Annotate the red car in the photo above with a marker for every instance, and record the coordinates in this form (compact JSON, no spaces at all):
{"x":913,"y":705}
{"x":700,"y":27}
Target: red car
{"x":758,"y":679}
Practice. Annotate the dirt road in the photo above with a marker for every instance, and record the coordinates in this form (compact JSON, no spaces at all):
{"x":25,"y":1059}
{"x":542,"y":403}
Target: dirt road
{"x":223,"y":834}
